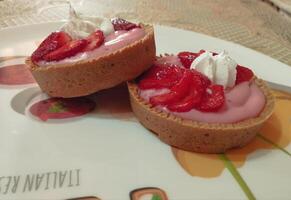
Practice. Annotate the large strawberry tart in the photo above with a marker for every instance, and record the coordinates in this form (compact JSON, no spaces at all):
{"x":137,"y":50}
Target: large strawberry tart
{"x":203,"y":102}
{"x":86,"y":56}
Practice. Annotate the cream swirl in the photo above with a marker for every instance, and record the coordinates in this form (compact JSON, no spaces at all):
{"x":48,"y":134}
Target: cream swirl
{"x":80,"y":27}
{"x":220,"y":69}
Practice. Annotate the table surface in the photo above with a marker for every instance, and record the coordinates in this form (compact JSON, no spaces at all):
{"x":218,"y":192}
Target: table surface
{"x":252,"y":23}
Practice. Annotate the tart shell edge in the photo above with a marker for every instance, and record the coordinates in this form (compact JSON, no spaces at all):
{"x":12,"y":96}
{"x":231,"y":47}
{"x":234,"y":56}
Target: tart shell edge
{"x":87,"y":77}
{"x":199,"y":136}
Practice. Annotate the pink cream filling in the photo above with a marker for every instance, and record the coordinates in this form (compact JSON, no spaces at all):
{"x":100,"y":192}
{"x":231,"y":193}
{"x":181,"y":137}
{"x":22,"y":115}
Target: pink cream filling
{"x":113,"y":42}
{"x":242,"y":102}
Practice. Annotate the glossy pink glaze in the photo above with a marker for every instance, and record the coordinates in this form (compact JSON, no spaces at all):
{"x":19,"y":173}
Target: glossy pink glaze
{"x":113,"y":42}
{"x":244,"y":101}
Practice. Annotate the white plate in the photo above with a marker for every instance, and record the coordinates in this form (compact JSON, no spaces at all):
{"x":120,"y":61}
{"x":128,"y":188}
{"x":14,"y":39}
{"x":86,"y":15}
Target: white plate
{"x":107,"y":153}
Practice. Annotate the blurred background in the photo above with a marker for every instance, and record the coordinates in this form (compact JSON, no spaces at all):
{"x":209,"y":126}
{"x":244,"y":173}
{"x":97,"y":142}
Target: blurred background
{"x":262,"y":25}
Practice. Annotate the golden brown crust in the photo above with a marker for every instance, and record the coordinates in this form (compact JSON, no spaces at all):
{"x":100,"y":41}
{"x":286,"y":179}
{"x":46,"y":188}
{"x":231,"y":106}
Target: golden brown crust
{"x":86,"y":77}
{"x":199,"y":136}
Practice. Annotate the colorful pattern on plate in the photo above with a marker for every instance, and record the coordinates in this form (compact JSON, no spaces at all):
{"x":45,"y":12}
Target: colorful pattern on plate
{"x":275,"y":134}
{"x":16,"y":74}
{"x":148,"y":193}
{"x":86,"y":198}
{"x":59,"y":108}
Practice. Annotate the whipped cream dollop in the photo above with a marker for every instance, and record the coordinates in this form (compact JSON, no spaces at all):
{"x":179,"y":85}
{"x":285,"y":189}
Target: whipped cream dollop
{"x":79,"y":27}
{"x":220,"y":69}
{"x":107,"y":27}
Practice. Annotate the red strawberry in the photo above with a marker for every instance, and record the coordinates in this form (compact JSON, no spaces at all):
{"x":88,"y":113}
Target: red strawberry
{"x":200,"y":79}
{"x":186,"y":104}
{"x":243,"y":74}
{"x":165,"y":71}
{"x":198,"y":86}
{"x":214,"y":53}
{"x":187,"y":58}
{"x":122,"y":24}
{"x":54,"y":41}
{"x":68,"y":50}
{"x":177,"y":92}
{"x":150,"y":83}
{"x":95,"y":40}
{"x":213,"y":99}
{"x":161,"y":76}
{"x":170,"y":72}
{"x":152,"y":72}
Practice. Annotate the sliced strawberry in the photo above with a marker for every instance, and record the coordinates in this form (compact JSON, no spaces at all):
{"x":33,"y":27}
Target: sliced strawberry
{"x":161,"y":76}
{"x":54,"y":41}
{"x":68,"y":50}
{"x":152,"y":72}
{"x":170,"y":72}
{"x":192,"y":99}
{"x":95,"y":40}
{"x":58,"y":38}
{"x":213,"y":99}
{"x":121,"y":24}
{"x":200,"y":80}
{"x":177,"y":92}
{"x":187,"y":58}
{"x":197,"y":89}
{"x":156,"y":84}
{"x":243,"y":74}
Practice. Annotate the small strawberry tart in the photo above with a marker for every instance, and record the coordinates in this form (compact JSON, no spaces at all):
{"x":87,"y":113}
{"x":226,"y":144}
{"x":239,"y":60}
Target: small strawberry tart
{"x":202,"y":102}
{"x":88,"y":55}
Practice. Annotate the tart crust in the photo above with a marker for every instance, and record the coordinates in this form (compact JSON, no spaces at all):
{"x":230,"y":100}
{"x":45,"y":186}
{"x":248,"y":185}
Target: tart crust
{"x":197,"y":136}
{"x":86,"y":77}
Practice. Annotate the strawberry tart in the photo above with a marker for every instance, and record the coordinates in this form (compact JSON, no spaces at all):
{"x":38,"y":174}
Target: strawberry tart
{"x":202,"y":102}
{"x":88,"y":55}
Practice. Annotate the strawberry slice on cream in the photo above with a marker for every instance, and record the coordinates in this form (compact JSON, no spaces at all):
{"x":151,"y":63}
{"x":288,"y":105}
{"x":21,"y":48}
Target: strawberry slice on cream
{"x":89,"y":54}
{"x":202,"y":102}
{"x":60,"y":45}
{"x":189,"y":93}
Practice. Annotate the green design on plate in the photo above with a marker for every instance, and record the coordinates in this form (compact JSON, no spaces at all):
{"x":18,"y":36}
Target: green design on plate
{"x":274,"y":144}
{"x":57,"y":107}
{"x":156,"y":197}
{"x":232,"y":169}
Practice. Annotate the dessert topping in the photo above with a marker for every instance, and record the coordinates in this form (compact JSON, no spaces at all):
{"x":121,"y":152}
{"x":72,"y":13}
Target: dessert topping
{"x":78,"y":35}
{"x":213,"y":99}
{"x":188,"y":89}
{"x":187,"y":58}
{"x":243,"y":74}
{"x":107,"y":27}
{"x":54,"y":41}
{"x":121,"y":24}
{"x":67,"y":50}
{"x":198,"y":84}
{"x":161,"y":76}
{"x":94,"y":40}
{"x":220,"y":68}
{"x":177,"y":91}
{"x":78,"y":27}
